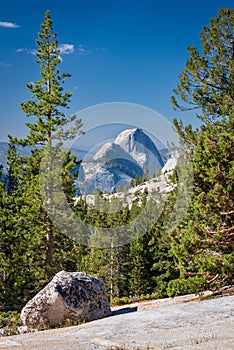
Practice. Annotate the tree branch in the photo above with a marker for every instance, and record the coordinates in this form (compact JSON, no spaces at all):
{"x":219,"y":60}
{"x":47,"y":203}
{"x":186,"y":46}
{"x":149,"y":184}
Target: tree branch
{"x":227,"y":212}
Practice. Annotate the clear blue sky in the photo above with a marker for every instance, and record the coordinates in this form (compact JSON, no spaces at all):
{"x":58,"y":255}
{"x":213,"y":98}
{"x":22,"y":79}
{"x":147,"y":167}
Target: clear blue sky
{"x":116,"y":51}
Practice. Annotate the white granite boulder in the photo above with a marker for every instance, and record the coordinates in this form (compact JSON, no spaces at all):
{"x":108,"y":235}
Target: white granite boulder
{"x":73,"y":296}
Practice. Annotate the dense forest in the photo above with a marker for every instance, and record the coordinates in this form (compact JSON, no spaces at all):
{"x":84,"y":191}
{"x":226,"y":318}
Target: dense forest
{"x":193,"y":256}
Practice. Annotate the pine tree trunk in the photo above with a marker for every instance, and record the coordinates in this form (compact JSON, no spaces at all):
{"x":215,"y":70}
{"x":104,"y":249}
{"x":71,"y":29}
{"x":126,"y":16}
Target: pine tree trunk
{"x":50,"y":241}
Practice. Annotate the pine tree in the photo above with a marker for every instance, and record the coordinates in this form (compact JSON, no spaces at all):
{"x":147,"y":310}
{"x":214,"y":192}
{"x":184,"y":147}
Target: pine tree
{"x":140,"y":257}
{"x":35,"y":249}
{"x":46,"y":105}
{"x":203,"y":243}
{"x":207,"y":81}
{"x":163,"y":267}
{"x":107,"y":256}
{"x":20,"y":239}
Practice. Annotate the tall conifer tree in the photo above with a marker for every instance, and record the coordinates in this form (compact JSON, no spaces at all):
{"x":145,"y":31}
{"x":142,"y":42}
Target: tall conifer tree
{"x":203,"y":243}
{"x":46,"y":104}
{"x":34,"y":248}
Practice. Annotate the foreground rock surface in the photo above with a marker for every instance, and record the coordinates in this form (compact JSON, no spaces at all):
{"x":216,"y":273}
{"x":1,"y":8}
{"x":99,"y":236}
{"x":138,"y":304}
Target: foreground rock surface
{"x":73,"y":296}
{"x":181,"y":323}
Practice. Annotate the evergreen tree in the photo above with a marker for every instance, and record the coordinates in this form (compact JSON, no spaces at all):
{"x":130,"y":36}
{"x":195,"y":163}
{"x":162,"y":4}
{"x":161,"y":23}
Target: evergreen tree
{"x":203,"y":243}
{"x":46,"y":105}
{"x":140,"y":264}
{"x":207,"y":81}
{"x":20,"y":239}
{"x":34,"y":248}
{"x":163,"y":267}
{"x":140,"y":257}
{"x":47,"y":100}
{"x":107,"y":257}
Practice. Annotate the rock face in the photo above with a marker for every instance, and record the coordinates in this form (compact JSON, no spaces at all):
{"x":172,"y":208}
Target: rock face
{"x":141,"y":148}
{"x":117,"y":162}
{"x":73,"y":296}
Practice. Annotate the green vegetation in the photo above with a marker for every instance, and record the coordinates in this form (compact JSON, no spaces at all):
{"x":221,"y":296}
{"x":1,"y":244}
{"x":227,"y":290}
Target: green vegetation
{"x":10,"y":321}
{"x":203,"y":243}
{"x":195,"y":255}
{"x":32,"y":249}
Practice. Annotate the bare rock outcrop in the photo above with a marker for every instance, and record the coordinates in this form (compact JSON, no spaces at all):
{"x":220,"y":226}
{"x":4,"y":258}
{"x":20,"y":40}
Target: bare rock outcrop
{"x":73,"y":296}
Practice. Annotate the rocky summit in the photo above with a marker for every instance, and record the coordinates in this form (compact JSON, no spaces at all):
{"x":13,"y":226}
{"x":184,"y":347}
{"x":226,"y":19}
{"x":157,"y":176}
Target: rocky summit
{"x":119,"y":161}
{"x":70,"y":296}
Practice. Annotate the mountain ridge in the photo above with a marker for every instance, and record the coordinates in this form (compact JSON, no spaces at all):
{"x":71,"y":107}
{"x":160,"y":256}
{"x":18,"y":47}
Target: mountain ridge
{"x":114,"y":164}
{"x":132,"y":153}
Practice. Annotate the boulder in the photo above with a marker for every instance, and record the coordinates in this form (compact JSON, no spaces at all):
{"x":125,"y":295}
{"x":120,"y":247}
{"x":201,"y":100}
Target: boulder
{"x":70,"y":296}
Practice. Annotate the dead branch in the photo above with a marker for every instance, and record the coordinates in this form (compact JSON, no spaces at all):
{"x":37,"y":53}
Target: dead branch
{"x":227,"y":212}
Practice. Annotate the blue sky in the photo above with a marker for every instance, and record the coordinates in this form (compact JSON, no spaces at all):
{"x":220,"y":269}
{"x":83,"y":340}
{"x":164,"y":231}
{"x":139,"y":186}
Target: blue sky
{"x":116,"y":51}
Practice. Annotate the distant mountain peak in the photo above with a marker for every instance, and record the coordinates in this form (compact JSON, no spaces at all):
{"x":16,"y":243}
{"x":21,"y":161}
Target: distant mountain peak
{"x":119,"y":161}
{"x":141,"y":147}
{"x":110,"y":150}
